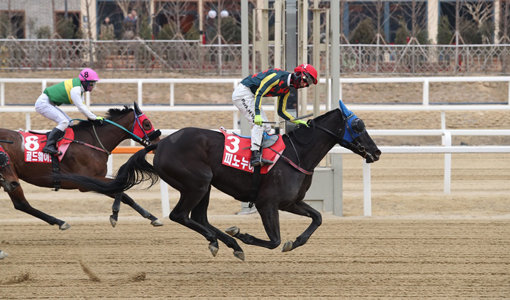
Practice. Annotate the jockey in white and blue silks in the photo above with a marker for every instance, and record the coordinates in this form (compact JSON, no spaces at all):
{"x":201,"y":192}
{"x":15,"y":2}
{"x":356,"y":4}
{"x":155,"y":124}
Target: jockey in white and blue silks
{"x":248,"y":94}
{"x":67,"y":92}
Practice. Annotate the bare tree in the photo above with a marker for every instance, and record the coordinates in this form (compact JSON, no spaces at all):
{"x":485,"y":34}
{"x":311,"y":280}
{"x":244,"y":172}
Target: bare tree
{"x":415,"y":11}
{"x":505,"y":5}
{"x":481,"y":12}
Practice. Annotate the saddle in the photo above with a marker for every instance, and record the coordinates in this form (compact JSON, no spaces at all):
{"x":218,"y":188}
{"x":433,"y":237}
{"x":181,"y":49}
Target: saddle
{"x":237,"y":153}
{"x":34,"y":142}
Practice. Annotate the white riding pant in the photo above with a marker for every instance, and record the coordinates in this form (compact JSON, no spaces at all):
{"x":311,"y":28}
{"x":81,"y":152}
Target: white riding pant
{"x":45,"y":107}
{"x":244,"y":100}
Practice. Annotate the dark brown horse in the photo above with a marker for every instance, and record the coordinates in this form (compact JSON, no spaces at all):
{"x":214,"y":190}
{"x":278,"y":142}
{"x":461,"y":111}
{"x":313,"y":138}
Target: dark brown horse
{"x":190,"y":160}
{"x":86,"y":155}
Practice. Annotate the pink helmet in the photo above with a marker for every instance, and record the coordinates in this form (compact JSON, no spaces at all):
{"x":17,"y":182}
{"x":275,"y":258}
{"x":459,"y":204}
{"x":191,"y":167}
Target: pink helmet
{"x":88,"y":78}
{"x":88,"y":74}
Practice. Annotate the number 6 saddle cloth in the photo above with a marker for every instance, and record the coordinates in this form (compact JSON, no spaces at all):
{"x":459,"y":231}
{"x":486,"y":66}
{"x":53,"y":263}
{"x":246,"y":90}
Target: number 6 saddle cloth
{"x":34,"y":142}
{"x":237,"y":152}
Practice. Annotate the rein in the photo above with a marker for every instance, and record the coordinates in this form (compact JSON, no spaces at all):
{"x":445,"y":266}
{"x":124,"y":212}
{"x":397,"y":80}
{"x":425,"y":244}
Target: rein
{"x":290,"y":162}
{"x":103,"y":149}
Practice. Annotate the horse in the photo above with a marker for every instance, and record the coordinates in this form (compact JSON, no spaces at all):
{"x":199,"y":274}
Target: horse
{"x":190,"y":160}
{"x":87,"y":154}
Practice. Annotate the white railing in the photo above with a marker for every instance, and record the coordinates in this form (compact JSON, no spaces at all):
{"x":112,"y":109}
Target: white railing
{"x":234,"y":81}
{"x":447,"y":150}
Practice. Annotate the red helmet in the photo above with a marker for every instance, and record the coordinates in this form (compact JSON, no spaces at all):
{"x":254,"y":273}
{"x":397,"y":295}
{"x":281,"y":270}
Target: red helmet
{"x":307,"y":72}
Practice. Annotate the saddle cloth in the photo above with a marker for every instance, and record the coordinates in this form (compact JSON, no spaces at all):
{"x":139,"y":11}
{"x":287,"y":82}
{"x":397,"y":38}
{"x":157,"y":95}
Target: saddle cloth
{"x":237,"y":152}
{"x":33,"y":143}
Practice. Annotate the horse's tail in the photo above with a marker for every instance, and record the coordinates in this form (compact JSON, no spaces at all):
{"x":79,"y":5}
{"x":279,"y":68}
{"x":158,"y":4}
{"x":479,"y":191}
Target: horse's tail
{"x":133,"y":172}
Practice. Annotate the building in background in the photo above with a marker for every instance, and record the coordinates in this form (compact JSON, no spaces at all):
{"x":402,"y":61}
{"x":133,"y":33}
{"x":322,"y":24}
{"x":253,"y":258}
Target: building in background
{"x":392,"y":21}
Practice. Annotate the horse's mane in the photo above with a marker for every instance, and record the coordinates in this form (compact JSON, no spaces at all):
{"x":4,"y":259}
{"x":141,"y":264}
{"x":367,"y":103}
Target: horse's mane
{"x":317,"y":119}
{"x":112,"y":114}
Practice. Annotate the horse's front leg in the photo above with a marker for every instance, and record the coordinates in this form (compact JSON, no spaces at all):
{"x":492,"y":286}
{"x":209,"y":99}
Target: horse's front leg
{"x":271,"y":221}
{"x":20,"y":203}
{"x":303,"y":209}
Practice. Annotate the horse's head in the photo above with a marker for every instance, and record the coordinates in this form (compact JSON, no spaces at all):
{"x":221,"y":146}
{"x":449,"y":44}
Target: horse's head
{"x":355,"y":136}
{"x":350,"y":132}
{"x":136,"y":123}
{"x":143,"y":127}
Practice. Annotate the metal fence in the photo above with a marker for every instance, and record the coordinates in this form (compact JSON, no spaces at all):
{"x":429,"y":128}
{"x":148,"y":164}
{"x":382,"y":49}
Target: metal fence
{"x":194,"y":57}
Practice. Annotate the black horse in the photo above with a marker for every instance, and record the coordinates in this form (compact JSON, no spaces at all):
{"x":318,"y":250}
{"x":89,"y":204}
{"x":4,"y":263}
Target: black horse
{"x":190,"y":160}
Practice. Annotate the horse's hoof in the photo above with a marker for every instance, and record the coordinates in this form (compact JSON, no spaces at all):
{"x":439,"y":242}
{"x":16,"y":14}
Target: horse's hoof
{"x":113,"y":221}
{"x":213,"y":249}
{"x":232,"y":230}
{"x":156,"y":223}
{"x":287,"y":246}
{"x":239,"y":254}
{"x":64,"y":226}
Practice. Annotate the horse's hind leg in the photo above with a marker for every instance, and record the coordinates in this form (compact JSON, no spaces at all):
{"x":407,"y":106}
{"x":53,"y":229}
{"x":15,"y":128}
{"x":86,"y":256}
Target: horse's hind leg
{"x":303,"y":209}
{"x":21,"y":203}
{"x":181,"y":213}
{"x":271,"y":221}
{"x":129,"y":201}
{"x":199,"y":214}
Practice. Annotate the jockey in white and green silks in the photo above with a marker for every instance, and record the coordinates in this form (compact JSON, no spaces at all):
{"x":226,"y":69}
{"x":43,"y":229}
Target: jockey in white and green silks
{"x":67,"y":92}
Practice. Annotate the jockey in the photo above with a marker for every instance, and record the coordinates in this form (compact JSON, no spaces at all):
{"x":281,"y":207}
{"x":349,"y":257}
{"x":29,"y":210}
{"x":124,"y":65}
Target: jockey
{"x":67,"y":92}
{"x":248,"y":94}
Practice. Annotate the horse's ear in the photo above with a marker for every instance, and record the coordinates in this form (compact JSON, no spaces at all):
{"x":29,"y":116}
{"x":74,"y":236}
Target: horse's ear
{"x":138,"y":111}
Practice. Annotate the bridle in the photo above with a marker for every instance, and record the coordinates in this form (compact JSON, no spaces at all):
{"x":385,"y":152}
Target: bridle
{"x":347,"y":128}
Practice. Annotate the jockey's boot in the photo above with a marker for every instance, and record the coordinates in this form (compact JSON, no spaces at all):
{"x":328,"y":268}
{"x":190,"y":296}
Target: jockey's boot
{"x":257,"y":160}
{"x":51,"y":143}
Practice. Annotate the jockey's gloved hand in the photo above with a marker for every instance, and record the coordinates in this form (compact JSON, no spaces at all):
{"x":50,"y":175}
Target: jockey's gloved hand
{"x":258,"y":120}
{"x":98,"y":120}
{"x":300,"y":122}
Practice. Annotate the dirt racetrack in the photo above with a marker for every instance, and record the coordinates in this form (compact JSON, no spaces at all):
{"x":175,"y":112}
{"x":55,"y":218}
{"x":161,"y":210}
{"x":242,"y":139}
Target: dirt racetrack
{"x":419,"y":243}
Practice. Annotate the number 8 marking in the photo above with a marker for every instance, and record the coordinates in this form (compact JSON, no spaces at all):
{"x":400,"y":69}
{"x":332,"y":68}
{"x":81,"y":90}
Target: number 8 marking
{"x":31,"y":143}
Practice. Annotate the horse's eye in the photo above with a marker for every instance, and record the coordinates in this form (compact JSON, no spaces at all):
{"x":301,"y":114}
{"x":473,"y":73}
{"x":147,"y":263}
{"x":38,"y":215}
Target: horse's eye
{"x":358,"y":125}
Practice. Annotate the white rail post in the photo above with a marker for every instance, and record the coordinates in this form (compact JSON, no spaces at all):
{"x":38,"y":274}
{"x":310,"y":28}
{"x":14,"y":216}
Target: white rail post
{"x":28,"y":121}
{"x":109,"y":166}
{"x":336,"y":164}
{"x":447,"y":163}
{"x":165,"y":201}
{"x":425,"y":92}
{"x":140,"y":91}
{"x":367,"y":194}
{"x":2,"y":94}
{"x":172,"y":97}
{"x":508,"y":92}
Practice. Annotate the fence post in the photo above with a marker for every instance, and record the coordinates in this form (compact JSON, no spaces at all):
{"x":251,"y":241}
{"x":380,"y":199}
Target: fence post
{"x":109,"y":166}
{"x":367,"y":191}
{"x":172,"y":97}
{"x":28,"y":122}
{"x":426,"y":92}
{"x":2,"y":94}
{"x":165,"y":201}
{"x":447,"y":141}
{"x":336,"y":165}
{"x":140,"y":102}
